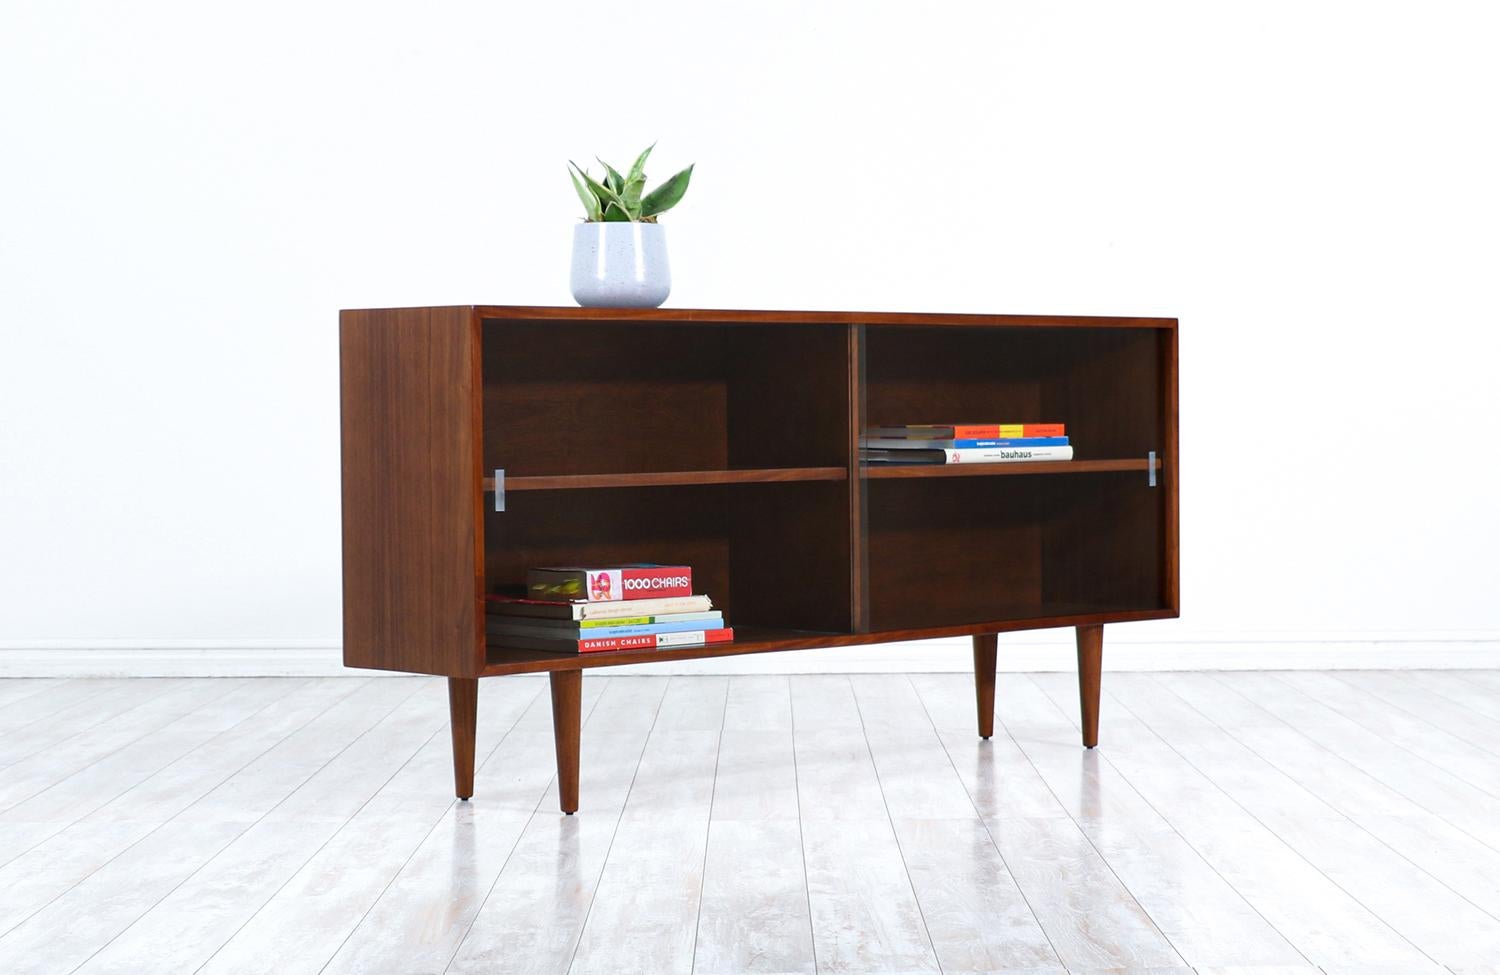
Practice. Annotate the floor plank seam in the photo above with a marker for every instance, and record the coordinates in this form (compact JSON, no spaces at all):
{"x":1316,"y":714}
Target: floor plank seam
{"x":183,"y":688}
{"x":1350,"y":820}
{"x":52,"y":715}
{"x":520,"y":835}
{"x":400,"y":703}
{"x":812,"y":931}
{"x":708,"y":831}
{"x":169,"y":820}
{"x":66,"y":825}
{"x":1273,"y":833}
{"x":1094,"y":846}
{"x":1387,"y":702}
{"x":1035,"y":917}
{"x":521,"y":713}
{"x":1280,"y":676}
{"x":1357,"y":809}
{"x":624,"y":805}
{"x":1068,"y":717}
{"x":1415,"y":756}
{"x":890,"y":821}
{"x":292,"y":875}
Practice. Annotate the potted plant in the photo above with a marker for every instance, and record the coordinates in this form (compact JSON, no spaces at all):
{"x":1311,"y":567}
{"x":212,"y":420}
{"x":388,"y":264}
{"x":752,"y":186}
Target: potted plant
{"x":620,"y":251}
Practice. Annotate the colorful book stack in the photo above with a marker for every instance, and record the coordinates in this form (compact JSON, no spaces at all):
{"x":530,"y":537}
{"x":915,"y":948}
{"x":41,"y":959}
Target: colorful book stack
{"x":642,"y":606}
{"x":966,"y":443}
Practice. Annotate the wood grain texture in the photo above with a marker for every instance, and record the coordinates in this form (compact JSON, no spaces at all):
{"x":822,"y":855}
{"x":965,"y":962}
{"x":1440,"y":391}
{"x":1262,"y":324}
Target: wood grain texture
{"x":1439,"y":922}
{"x":68,"y":853}
{"x":1240,"y":821}
{"x":887,"y":472}
{"x":1323,"y":921}
{"x":412,"y":533}
{"x":985,"y":647}
{"x":680,"y":420}
{"x":227,"y":704}
{"x":34,"y":725}
{"x":302,"y":926}
{"x":759,"y":475}
{"x":1090,"y":641}
{"x":857,"y":882}
{"x":755,"y":639}
{"x":1213,"y":926}
{"x":1463,"y":861}
{"x":724,"y":315}
{"x":567,"y":697}
{"x":1419,"y":735}
{"x":754,"y":916}
{"x":45,"y":770}
{"x":974,"y":913}
{"x":110,"y":908}
{"x":423,"y":915}
{"x":463,"y":714}
{"x":1171,"y":474}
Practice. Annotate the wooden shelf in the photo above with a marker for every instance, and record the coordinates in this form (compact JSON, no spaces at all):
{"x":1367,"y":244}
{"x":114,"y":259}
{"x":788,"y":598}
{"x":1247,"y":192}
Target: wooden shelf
{"x":756,"y":475}
{"x":759,"y":639}
{"x":883,"y":471}
{"x":765,"y":475}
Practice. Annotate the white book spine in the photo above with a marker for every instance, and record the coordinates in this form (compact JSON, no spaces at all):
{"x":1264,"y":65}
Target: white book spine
{"x":1003,"y":455}
{"x":641,"y":607}
{"x":680,"y":639}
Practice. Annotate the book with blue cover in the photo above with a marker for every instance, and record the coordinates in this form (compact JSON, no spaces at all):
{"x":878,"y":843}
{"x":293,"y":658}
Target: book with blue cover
{"x":561,"y":630}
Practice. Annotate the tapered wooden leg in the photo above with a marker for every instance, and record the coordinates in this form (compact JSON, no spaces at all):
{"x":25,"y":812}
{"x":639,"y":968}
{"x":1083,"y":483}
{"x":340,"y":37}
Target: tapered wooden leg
{"x":567,"y":719}
{"x":984,"y":681}
{"x":463,"y":712}
{"x":1090,"y":665}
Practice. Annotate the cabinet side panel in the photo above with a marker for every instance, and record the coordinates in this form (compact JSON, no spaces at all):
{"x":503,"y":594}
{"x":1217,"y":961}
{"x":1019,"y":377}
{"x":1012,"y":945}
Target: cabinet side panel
{"x":411,"y":490}
{"x":1171,"y":588}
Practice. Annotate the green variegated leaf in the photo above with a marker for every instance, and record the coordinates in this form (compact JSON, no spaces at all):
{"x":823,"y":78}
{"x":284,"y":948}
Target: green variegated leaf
{"x":667,"y":195}
{"x":590,"y":201}
{"x":638,"y":169}
{"x":632,"y":196}
{"x":605,"y":194}
{"x":612,"y":177}
{"x":613,"y":214}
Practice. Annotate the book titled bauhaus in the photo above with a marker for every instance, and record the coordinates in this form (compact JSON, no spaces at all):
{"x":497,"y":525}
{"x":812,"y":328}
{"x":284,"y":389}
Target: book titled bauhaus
{"x":642,"y":580}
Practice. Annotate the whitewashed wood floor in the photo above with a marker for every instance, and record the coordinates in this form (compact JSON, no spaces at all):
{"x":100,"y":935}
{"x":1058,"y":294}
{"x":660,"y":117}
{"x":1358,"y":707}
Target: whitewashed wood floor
{"x":1270,"y":823}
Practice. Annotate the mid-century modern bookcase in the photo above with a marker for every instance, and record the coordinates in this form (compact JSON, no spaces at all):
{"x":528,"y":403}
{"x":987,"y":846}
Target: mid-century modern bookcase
{"x":481,"y":440}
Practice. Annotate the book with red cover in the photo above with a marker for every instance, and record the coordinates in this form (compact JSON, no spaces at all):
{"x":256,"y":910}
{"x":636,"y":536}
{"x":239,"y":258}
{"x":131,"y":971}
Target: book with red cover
{"x":647,"y":641}
{"x":609,"y":583}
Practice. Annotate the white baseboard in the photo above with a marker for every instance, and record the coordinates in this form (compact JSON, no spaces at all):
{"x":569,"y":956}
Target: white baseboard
{"x":1037,"y":651}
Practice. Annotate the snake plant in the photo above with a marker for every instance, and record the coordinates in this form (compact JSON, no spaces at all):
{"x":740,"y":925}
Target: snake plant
{"x":620,"y":198}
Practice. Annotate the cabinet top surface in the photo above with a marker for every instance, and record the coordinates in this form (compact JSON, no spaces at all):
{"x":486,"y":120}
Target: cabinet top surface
{"x":730,"y":315}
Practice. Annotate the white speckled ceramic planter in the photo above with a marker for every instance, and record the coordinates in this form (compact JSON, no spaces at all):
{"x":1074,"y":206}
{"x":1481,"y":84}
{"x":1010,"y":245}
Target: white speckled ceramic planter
{"x":620,"y":265}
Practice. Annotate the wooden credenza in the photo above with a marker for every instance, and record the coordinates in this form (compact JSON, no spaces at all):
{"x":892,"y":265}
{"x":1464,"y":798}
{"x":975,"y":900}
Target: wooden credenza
{"x":481,"y":440}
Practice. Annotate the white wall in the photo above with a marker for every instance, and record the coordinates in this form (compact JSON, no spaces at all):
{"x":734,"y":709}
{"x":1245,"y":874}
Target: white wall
{"x":189,"y":192}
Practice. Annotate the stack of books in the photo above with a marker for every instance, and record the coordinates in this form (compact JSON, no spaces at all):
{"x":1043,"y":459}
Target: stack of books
{"x":965,"y":443}
{"x":642,"y":606}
